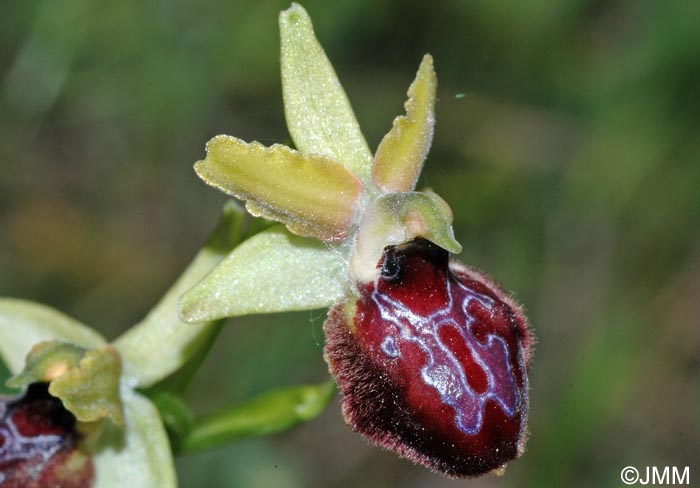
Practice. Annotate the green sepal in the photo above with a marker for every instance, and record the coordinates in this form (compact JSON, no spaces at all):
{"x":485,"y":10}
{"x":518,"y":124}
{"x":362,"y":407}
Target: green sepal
{"x":396,"y":218}
{"x":86,"y":381}
{"x":161,"y":343}
{"x":319,"y":116}
{"x":23,"y":324}
{"x":269,"y":413}
{"x":274,"y":271}
{"x":400,"y":156}
{"x":137,"y":456}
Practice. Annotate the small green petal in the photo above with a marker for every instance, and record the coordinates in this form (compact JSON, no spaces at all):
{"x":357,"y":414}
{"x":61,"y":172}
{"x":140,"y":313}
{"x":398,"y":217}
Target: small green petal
{"x":24,"y":324}
{"x":273,"y":271}
{"x":319,"y":116}
{"x":86,"y":381}
{"x":313,"y":195}
{"x":396,"y":218}
{"x":161,"y":343}
{"x":137,"y":456}
{"x":90,"y":391}
{"x":269,"y":413}
{"x":400,"y":155}
{"x":47,"y":361}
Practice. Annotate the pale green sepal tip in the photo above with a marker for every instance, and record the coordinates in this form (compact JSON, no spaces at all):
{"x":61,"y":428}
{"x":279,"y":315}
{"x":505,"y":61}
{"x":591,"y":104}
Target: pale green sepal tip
{"x":138,"y":456}
{"x":273,"y":271}
{"x":319,"y":116}
{"x":24,"y":324}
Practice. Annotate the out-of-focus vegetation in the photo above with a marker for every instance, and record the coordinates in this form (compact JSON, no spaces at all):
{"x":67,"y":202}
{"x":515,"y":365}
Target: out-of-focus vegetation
{"x":567,"y":143}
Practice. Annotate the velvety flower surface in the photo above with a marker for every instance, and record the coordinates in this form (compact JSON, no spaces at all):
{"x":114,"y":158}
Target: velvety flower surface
{"x":38,"y":443}
{"x":431,"y":360}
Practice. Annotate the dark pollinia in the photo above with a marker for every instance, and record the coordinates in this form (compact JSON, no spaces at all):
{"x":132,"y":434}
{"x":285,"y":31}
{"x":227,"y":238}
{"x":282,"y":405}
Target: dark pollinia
{"x":432,"y":362}
{"x":37,"y":443}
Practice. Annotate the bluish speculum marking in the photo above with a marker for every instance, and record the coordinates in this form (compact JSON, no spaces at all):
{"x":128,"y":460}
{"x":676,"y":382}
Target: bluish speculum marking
{"x":443,"y":370}
{"x":15,"y":446}
{"x":34,"y":430}
{"x":432,"y":360}
{"x":390,"y":348}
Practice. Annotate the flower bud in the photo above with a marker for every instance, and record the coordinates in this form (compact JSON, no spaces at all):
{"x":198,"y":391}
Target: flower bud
{"x":431,"y":360}
{"x":38,"y":443}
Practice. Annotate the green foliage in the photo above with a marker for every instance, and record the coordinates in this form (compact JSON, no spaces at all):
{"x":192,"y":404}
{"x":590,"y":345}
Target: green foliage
{"x":272,"y":412}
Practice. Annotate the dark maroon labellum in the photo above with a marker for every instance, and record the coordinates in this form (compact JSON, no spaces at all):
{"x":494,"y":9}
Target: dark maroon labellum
{"x":37,"y":443}
{"x":432,"y":362}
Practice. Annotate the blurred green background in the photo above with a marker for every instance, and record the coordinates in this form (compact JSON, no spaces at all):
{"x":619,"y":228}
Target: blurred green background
{"x":567,"y":144}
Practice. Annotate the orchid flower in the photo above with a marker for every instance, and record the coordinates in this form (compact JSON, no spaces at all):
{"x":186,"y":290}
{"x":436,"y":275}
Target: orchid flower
{"x":430,"y":356}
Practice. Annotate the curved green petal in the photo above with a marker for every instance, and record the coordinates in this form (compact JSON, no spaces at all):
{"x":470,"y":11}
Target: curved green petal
{"x":400,"y":155}
{"x":273,"y":271}
{"x":86,"y":381}
{"x":46,"y":361}
{"x":24,"y":324}
{"x":90,"y":391}
{"x":319,"y":116}
{"x":137,"y":456}
{"x":313,"y":195}
{"x":161,"y":343}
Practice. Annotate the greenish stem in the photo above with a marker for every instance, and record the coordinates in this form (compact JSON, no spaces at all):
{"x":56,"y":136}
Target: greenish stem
{"x":158,"y":347}
{"x":179,"y":381}
{"x":175,"y":413}
{"x":269,"y":413}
